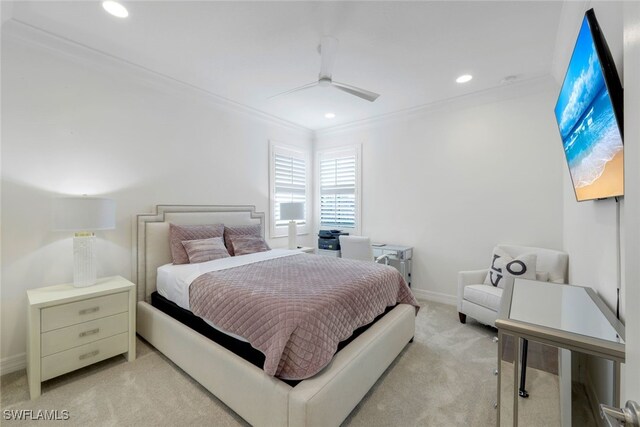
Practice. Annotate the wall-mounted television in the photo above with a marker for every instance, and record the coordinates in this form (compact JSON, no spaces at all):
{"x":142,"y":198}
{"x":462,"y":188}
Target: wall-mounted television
{"x":589,"y":116}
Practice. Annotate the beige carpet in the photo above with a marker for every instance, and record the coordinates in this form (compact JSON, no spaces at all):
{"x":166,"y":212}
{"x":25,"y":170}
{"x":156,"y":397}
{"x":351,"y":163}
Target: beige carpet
{"x":541,"y":409}
{"x":445,"y":377}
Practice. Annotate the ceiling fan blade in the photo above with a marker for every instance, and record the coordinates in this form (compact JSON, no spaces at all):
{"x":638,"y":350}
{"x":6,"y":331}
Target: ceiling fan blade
{"x":362,"y":93}
{"x":328,"y":49}
{"x":307,"y":86}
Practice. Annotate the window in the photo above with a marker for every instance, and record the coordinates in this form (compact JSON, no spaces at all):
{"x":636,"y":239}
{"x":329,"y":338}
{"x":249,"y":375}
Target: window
{"x":288,"y":168}
{"x":339,"y":188}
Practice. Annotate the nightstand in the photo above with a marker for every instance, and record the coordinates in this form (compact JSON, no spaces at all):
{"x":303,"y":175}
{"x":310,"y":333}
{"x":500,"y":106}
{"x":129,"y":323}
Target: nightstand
{"x":329,"y":252}
{"x":306,"y":249}
{"x":70,"y":328}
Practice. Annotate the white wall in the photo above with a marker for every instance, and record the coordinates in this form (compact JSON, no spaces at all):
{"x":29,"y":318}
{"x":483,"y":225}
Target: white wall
{"x":458,"y":178}
{"x":631,"y":291}
{"x":94,"y":126}
{"x":589,"y":228}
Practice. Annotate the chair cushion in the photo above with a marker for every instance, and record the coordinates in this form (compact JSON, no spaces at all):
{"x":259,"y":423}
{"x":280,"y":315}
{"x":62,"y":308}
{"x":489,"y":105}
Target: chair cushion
{"x":542,"y":276}
{"x":484,"y":295}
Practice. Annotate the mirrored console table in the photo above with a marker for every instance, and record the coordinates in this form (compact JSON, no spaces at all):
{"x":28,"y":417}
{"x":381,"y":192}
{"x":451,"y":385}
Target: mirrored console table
{"x":570,"y":318}
{"x":401,"y":257}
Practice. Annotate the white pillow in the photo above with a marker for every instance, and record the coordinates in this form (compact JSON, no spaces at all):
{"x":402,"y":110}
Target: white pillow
{"x":504,"y":269}
{"x":542,"y":276}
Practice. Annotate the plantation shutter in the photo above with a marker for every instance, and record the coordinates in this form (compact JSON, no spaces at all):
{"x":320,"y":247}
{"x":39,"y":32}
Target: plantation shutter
{"x":338,"y":191}
{"x":290,"y":183}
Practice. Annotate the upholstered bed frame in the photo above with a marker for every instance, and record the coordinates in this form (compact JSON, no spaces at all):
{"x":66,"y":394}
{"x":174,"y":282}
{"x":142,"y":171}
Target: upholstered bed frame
{"x":323,"y":400}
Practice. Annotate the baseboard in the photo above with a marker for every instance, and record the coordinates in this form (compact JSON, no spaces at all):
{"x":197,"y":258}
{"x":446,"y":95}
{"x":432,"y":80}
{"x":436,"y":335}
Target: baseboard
{"x":435,"y":296}
{"x":13,"y":363}
{"x":593,"y":400}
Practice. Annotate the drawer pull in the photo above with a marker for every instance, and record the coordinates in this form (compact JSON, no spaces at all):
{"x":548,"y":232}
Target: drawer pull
{"x":89,"y":310}
{"x":87,"y":333}
{"x":90,"y":354}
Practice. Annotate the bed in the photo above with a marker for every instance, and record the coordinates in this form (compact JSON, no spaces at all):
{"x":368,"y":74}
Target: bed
{"x":261,"y":399}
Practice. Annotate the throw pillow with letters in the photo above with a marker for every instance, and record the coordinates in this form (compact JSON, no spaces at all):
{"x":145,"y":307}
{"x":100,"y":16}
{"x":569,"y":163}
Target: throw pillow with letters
{"x":504,"y":268}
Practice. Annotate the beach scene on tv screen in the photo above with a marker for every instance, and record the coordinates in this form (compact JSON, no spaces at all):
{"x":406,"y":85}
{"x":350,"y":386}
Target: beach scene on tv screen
{"x":588,"y":127}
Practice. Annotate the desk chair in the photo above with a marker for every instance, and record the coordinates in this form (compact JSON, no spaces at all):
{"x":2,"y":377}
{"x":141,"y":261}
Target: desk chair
{"x":358,"y":247}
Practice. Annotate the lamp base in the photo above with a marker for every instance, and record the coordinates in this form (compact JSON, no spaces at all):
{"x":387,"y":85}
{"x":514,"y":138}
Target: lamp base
{"x":84,"y":260}
{"x":293,"y":234}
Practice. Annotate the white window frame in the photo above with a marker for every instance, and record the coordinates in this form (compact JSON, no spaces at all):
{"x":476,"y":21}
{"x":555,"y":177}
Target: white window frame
{"x":277,"y":148}
{"x":350,"y":150}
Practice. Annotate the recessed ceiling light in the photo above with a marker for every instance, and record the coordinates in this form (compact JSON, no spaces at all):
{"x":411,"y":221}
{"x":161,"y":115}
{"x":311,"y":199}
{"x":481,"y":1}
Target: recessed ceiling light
{"x":464,"y":78}
{"x":115,"y":8}
{"x":330,"y":115}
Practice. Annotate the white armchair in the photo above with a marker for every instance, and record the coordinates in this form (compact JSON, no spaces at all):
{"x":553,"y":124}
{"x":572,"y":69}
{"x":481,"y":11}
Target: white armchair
{"x":482,"y":302}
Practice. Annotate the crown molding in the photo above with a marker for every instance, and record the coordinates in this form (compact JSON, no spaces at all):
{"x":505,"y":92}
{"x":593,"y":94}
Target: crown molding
{"x":24,"y":33}
{"x":496,"y":94}
{"x":27,"y":34}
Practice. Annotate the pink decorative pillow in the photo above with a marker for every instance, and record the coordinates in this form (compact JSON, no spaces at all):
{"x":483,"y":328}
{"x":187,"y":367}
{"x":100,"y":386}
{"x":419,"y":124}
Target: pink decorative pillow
{"x":240,"y":230}
{"x":203,"y":250}
{"x":243,"y":245}
{"x":180,"y":233}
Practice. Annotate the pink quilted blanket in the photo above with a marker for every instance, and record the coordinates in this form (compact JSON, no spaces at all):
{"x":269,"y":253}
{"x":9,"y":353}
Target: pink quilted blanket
{"x":296,"y":309}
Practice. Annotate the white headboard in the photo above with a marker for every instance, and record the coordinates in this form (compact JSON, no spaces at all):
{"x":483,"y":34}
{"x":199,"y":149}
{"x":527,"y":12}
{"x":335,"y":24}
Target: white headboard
{"x":151,"y":235}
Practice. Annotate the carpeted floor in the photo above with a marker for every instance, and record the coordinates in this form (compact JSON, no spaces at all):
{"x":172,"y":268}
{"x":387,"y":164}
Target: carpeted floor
{"x":445,"y":377}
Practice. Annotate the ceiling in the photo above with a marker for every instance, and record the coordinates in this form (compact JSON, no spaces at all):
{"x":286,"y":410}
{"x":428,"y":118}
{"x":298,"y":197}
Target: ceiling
{"x":409,"y":52}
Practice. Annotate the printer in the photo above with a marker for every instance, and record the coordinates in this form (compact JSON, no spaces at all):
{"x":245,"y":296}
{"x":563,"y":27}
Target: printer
{"x":329,"y":239}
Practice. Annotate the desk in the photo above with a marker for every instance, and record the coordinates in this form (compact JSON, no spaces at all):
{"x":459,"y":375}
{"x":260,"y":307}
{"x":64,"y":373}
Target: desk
{"x":400,"y":257}
{"x":563,"y":316}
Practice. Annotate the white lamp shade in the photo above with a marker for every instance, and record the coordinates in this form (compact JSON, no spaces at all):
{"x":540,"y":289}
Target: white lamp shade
{"x":84,"y":213}
{"x":292,"y":211}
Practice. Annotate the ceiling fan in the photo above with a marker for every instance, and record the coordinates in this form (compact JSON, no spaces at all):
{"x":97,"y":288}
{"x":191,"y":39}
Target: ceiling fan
{"x":327,"y":49}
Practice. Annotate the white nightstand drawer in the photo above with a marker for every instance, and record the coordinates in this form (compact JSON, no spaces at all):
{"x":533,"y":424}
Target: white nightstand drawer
{"x":70,"y":328}
{"x":83,"y":333}
{"x":82,"y":311}
{"x":84,"y":355}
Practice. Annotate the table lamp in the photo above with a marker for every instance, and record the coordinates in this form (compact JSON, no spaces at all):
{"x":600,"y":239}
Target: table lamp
{"x":84,"y":215}
{"x":292,"y":211}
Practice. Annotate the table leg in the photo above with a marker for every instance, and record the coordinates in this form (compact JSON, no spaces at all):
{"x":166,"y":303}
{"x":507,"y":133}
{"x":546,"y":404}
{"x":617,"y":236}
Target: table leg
{"x":523,"y":369}
{"x":500,"y":340}
{"x":516,"y":359}
{"x":616,"y":384}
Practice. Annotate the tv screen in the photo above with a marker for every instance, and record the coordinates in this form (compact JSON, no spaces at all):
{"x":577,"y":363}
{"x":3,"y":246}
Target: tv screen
{"x":589,"y":116}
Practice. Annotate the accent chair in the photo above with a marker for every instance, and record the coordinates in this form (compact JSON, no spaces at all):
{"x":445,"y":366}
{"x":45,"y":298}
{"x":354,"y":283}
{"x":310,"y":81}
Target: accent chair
{"x":482,"y":302}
